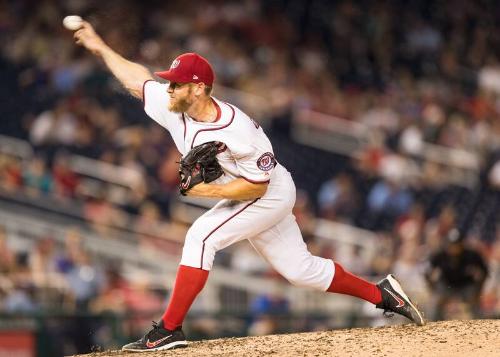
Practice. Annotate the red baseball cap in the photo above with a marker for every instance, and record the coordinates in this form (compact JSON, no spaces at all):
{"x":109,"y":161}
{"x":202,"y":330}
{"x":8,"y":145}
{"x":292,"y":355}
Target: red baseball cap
{"x":189,"y":68}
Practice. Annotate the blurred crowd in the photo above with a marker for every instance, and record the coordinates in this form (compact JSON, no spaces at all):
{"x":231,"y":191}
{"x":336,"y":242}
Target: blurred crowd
{"x":413,"y":71}
{"x":47,"y":279}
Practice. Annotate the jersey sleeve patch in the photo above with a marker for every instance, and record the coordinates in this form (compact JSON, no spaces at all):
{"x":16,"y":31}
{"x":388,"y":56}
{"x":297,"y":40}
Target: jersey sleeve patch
{"x":266,"y":161}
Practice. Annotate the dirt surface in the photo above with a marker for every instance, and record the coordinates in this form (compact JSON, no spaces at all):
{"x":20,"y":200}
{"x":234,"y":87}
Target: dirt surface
{"x":476,"y":338}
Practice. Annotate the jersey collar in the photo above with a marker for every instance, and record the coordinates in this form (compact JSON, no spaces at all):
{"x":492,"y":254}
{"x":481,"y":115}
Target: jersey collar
{"x":217,"y":119}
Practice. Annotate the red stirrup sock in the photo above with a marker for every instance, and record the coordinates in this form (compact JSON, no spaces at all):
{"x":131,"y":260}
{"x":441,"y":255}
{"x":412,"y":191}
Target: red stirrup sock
{"x":346,"y":283}
{"x":188,"y":283}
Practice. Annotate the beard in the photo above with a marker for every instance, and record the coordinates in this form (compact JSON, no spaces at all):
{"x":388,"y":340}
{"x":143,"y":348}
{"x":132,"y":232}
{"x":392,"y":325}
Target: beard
{"x":181,"y":105}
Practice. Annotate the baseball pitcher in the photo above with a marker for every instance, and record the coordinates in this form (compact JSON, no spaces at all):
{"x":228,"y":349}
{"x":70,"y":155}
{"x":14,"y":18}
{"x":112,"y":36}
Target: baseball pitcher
{"x":227,"y":155}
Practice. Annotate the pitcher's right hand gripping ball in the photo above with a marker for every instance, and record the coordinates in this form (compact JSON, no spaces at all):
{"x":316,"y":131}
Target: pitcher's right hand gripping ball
{"x":199,"y":165}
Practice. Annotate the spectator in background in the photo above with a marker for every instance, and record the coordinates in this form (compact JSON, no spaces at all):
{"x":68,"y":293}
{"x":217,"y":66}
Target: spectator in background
{"x":112,"y":298}
{"x":456,"y":272}
{"x":384,"y":256}
{"x":83,"y":276}
{"x":54,"y":127}
{"x":266,"y":310}
{"x":338,"y":199}
{"x":155,"y":234}
{"x":355,"y":260}
{"x":10,"y":173}
{"x":391,"y":196}
{"x":12,"y":298}
{"x":37,"y":179}
{"x":148,"y":222}
{"x":85,"y":280}
{"x":409,"y":228}
{"x":439,"y":227}
{"x":65,"y":180}
{"x":410,"y":266}
{"x":73,"y":247}
{"x":18,"y":288}
{"x":387,"y":200}
{"x":43,"y":266}
{"x":142,"y":301}
{"x":103,"y":215}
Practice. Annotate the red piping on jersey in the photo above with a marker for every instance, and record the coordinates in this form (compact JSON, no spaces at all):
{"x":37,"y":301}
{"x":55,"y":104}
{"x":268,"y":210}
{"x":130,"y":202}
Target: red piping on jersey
{"x":220,"y":225}
{"x":253,"y":181}
{"x":143,"y":93}
{"x":218,"y":128}
{"x":218,"y":110}
{"x":184,"y":122}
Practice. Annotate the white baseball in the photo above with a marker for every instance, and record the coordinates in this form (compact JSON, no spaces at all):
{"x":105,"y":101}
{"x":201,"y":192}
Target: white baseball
{"x":72,"y":22}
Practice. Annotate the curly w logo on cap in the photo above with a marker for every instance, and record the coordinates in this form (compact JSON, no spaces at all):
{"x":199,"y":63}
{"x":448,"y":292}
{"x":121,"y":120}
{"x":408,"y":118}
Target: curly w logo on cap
{"x":175,"y":63}
{"x":189,"y":68}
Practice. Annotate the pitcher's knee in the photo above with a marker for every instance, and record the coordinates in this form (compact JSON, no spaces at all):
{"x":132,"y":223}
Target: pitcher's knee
{"x":313,"y":272}
{"x":198,"y":251}
{"x":191,"y":253}
{"x":193,"y":240}
{"x":209,"y":249}
{"x":296,"y":275}
{"x":192,"y":250}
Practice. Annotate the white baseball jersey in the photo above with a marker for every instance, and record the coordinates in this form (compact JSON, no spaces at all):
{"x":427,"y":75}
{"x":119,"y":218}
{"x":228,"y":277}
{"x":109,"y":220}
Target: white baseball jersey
{"x":249,"y":153}
{"x":267,"y":222}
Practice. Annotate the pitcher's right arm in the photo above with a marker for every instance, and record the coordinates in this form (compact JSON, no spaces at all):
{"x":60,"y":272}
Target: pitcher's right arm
{"x":130,"y":74}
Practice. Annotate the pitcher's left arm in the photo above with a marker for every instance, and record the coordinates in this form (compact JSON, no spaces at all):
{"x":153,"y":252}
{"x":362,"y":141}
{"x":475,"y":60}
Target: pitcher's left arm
{"x":238,"y":189}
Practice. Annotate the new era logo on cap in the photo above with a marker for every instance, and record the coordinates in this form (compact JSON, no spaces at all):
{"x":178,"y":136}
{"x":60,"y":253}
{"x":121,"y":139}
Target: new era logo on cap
{"x":189,"y":68}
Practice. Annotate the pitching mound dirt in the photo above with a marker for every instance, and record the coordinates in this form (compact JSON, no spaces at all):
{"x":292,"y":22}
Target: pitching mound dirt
{"x":476,"y":338}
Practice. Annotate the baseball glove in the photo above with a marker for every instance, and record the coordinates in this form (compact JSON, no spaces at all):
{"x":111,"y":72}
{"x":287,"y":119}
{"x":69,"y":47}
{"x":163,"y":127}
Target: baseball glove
{"x":199,"y":165}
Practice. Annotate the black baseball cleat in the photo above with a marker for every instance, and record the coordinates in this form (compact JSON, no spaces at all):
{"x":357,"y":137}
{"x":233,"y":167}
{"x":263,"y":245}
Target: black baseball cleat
{"x":158,"y":339}
{"x":395,"y":300}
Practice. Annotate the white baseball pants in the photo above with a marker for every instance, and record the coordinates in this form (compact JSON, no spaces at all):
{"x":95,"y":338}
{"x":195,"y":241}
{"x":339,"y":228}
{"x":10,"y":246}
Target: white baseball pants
{"x":270,"y":227}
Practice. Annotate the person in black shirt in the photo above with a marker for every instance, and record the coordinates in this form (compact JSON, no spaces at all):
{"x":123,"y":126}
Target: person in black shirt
{"x":456,"y":272}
